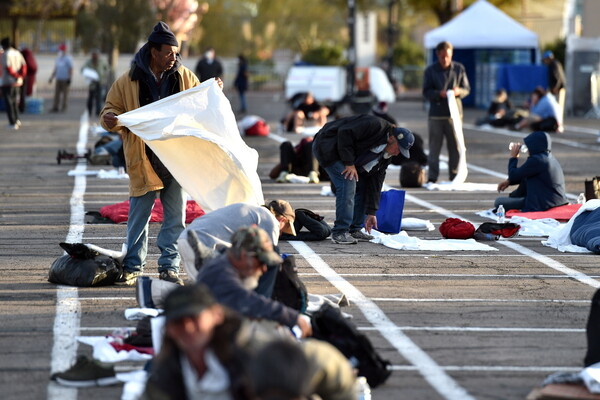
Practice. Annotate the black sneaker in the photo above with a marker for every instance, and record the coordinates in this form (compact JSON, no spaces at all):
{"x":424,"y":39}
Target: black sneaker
{"x":128,"y":278}
{"x":170,"y":276}
{"x":87,"y":373}
{"x":361,"y":236}
{"x":143,"y":292}
{"x":343,"y":238}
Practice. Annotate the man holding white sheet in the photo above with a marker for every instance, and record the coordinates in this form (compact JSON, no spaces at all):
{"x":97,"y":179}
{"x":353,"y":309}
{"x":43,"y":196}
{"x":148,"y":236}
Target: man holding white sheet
{"x":440,"y":77}
{"x":156,"y":73}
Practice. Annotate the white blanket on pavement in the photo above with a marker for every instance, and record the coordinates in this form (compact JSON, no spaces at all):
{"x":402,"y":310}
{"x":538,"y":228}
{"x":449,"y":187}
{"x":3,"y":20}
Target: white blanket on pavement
{"x":195,"y":135}
{"x":402,"y":241}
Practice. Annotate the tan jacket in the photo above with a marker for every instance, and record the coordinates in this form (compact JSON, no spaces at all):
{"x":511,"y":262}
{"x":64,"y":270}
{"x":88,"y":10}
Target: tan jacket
{"x":124,"y":96}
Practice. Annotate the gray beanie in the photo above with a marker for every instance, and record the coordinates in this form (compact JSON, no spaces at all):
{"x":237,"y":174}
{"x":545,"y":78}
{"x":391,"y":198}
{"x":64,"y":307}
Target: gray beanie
{"x":162,"y":34}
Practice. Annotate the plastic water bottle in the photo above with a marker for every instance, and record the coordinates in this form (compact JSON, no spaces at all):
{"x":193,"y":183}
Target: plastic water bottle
{"x":500,"y":213}
{"x":581,"y":198}
{"x":363,"y":390}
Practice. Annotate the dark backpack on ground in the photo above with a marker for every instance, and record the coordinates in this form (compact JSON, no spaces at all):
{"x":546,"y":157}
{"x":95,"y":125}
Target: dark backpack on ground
{"x":329,"y":324}
{"x":288,"y":288}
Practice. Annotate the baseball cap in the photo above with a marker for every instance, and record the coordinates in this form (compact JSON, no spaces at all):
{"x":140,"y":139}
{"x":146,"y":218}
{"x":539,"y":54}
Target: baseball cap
{"x":186,"y":301}
{"x":548,"y":54}
{"x":255,"y":240}
{"x":282,"y":207}
{"x":405,"y":140}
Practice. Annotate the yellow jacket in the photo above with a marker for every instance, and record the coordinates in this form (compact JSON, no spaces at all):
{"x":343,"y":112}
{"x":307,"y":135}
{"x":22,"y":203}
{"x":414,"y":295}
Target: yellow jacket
{"x":124,"y":96}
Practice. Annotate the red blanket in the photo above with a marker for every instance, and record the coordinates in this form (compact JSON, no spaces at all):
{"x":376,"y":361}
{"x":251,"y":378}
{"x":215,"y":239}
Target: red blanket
{"x":560,"y":213}
{"x":119,"y":212}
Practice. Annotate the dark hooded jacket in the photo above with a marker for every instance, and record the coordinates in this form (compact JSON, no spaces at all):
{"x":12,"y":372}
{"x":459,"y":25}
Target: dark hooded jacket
{"x":346,"y":140}
{"x":541,"y":174}
{"x":132,"y":90}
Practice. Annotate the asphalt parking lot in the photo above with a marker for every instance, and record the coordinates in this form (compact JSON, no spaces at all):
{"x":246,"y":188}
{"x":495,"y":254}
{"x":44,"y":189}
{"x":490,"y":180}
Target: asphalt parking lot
{"x":454,"y":324}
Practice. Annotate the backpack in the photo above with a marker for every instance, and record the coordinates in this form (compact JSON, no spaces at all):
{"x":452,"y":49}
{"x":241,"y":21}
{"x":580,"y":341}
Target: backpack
{"x":329,"y":324}
{"x":412,"y":174}
{"x":289,"y":289}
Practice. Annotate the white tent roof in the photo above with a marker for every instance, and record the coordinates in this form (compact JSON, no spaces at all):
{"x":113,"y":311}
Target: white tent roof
{"x":482,"y":26}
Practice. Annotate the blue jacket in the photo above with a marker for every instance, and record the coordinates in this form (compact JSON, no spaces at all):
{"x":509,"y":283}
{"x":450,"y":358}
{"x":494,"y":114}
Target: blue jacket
{"x":227,"y":288}
{"x":541,"y":173}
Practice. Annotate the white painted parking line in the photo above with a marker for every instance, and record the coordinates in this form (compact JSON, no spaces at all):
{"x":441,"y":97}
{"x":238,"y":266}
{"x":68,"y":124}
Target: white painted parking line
{"x":555,"y":139}
{"x":68,"y":310}
{"x":570,"y":272}
{"x":477,"y":329}
{"x":105,"y":298}
{"x":444,"y":300}
{"x":485,"y":368}
{"x":470,"y":276}
{"x":424,"y":364}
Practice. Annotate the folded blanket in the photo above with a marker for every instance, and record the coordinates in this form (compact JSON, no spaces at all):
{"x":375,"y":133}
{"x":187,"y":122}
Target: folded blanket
{"x":560,"y":213}
{"x":119,"y":212}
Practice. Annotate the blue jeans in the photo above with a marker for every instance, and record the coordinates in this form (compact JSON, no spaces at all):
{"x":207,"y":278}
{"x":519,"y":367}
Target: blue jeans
{"x":510,"y":203}
{"x":243,"y":105}
{"x":349,"y":202}
{"x":10,"y":100}
{"x":140,"y":209}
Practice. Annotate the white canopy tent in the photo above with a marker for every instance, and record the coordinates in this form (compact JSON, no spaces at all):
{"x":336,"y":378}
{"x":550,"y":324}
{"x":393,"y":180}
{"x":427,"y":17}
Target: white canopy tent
{"x":482,"y":25}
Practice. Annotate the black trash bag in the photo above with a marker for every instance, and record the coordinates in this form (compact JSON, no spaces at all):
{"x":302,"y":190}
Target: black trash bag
{"x":329,"y":324}
{"x":83,"y":267}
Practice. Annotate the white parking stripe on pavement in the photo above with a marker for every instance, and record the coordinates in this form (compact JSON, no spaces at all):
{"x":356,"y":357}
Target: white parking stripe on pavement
{"x":427,"y":367}
{"x":68,"y":308}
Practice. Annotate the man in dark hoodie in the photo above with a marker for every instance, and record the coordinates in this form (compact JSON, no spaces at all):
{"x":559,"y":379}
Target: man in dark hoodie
{"x":156,"y":73}
{"x":540,"y":179}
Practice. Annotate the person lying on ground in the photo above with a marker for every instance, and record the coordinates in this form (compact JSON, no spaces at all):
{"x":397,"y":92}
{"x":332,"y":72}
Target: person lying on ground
{"x":541,"y":180}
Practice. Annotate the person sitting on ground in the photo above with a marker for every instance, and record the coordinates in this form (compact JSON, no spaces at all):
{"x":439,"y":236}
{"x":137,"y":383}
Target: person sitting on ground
{"x":500,"y":112}
{"x":308,"y":113}
{"x":209,"y":352}
{"x":233,"y":275}
{"x":544,"y":113}
{"x":297,"y":160}
{"x":540,"y":179}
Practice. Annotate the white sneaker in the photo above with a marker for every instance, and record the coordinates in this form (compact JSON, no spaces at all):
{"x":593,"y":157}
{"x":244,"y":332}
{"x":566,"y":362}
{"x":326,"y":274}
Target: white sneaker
{"x":282,"y":178}
{"x":313,"y":177}
{"x":18,"y":123}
